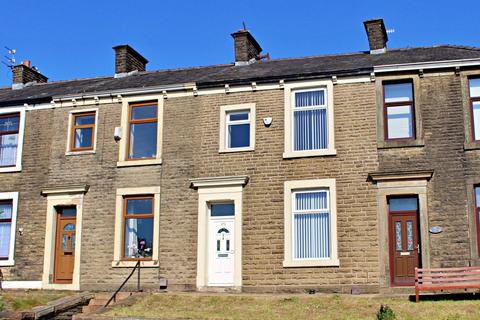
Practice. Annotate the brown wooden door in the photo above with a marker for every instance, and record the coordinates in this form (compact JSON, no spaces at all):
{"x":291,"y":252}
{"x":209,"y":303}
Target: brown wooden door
{"x":65,"y":245}
{"x":404,"y":246}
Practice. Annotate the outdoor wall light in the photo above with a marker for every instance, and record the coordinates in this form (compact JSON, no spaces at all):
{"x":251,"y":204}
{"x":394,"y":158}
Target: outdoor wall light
{"x":267,"y":121}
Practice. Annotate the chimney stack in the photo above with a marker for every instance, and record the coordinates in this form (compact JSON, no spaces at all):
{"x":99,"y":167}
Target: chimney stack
{"x":128,"y":60}
{"x":23,"y":74}
{"x":247,"y":48}
{"x":377,"y":35}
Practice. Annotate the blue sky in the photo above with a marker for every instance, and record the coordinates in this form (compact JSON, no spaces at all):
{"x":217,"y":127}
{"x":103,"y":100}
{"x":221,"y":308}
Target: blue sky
{"x":73,"y":39}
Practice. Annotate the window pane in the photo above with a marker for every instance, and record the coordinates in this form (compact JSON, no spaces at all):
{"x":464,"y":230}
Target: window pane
{"x":139,"y":206}
{"x":476,"y":119}
{"x":309,"y":99}
{"x":81,"y":120}
{"x":6,"y":210}
{"x":477,"y":196}
{"x":8,"y":149}
{"x":238,"y":116}
{"x":312,"y":236}
{"x":67,"y":212}
{"x":311,"y":200}
{"x":222,"y":209}
{"x":239,"y":135}
{"x":143,"y":140}
{"x":399,"y":122}
{"x":5,"y":228}
{"x":138,"y":238}
{"x":402,"y":204}
{"x":144,"y":112}
{"x":310,"y":130}
{"x":398,"y":92}
{"x":474,"y":88}
{"x":83,"y":138}
{"x":9,"y":123}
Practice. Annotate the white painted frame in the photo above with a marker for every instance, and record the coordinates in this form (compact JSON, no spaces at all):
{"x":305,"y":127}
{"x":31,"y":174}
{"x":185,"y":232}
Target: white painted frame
{"x":68,"y":152}
{"x":123,"y":144}
{"x":13,"y":228}
{"x":61,"y":197}
{"x":118,"y":245}
{"x":21,"y":134}
{"x":223,"y":140}
{"x":215,"y":190}
{"x":289,"y":96}
{"x":290,"y":188}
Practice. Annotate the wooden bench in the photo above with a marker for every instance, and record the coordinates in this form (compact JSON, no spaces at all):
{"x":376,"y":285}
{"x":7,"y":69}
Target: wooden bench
{"x":445,"y":279}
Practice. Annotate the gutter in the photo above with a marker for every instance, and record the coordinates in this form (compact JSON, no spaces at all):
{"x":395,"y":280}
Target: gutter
{"x":126,"y":92}
{"x":427,"y":65}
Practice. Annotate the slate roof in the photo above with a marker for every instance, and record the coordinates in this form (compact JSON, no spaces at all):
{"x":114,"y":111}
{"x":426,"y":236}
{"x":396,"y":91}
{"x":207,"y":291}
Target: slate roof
{"x":267,"y":70}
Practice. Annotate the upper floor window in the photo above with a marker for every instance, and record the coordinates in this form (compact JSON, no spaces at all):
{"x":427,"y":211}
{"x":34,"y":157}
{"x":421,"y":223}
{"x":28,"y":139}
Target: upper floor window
{"x":474,"y":90}
{"x":237,"y":127}
{"x":399,"y":110}
{"x":310,"y":124}
{"x":142,"y":126}
{"x":9,"y":137}
{"x":309,"y":128}
{"x":82,"y":131}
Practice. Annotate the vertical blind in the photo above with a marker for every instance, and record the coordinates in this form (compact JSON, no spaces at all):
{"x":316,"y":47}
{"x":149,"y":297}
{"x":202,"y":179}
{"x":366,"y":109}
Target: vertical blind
{"x":5,"y":229}
{"x":310,"y":121}
{"x":311,"y":225}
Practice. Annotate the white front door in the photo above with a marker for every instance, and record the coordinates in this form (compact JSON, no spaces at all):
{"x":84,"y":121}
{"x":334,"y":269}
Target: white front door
{"x":221,"y":251}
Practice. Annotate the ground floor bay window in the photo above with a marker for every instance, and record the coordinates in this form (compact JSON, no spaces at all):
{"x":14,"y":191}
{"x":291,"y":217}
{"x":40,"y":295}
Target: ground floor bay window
{"x":137,"y":226}
{"x":310,"y":223}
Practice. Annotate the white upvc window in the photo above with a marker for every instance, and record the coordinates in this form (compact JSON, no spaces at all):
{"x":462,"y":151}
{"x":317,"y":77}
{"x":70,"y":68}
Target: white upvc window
{"x":310,"y":223}
{"x":12,"y":128}
{"x":237,"y":128}
{"x":8,"y":221}
{"x":309,"y":128}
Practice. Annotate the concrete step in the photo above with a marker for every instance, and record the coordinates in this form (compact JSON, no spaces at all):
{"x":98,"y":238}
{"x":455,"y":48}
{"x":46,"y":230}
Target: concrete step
{"x":97,"y":302}
{"x":106,"y":295}
{"x":90,"y":309}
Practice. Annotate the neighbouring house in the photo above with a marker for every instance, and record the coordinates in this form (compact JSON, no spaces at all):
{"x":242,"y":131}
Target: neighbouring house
{"x":333,"y":173}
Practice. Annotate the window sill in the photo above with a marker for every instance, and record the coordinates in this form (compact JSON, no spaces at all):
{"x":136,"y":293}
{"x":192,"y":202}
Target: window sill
{"x":471,"y":146}
{"x":314,"y":153}
{"x":11,"y":169}
{"x":401,"y":144}
{"x":7,"y":263}
{"x":79,"y":153}
{"x":236,"y":150}
{"x":133,"y":163}
{"x":132,"y":263}
{"x":311,"y":263}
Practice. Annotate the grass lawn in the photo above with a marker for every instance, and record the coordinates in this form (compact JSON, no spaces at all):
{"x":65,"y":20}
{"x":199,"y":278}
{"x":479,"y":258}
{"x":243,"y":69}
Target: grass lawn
{"x":24,"y":300}
{"x":240,"y":307}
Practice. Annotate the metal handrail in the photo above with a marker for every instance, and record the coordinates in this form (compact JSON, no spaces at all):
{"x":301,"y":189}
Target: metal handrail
{"x":114,"y":296}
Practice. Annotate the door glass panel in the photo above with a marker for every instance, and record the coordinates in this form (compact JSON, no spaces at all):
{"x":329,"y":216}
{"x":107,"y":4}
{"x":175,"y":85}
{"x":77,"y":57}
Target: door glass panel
{"x":218,"y":245}
{"x":73,"y":242}
{"x":69,"y":227}
{"x":409,"y":235}
{"x":222,"y":209}
{"x":403,"y":204}
{"x":67,"y":211}
{"x":228,"y":245}
{"x":64,"y":243}
{"x":398,"y":236}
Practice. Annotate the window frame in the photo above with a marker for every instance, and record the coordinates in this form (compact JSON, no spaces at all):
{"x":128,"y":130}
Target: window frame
{"x":71,"y":136}
{"x":136,"y":216}
{"x":84,"y":126}
{"x":119,"y":241}
{"x":21,"y":132}
{"x":13,"y":198}
{"x":291,"y":188}
{"x":477,"y":218}
{"x":289,"y":99}
{"x":138,"y":121}
{"x":124,"y":144}
{"x":224,"y":123}
{"x":471,"y":101}
{"x":386,"y":105}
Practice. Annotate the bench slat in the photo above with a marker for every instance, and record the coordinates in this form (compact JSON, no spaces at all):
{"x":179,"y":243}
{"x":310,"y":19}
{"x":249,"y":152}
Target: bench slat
{"x":449,"y":280}
{"x":448,"y":274}
{"x":420,"y":270}
{"x":449,"y":286}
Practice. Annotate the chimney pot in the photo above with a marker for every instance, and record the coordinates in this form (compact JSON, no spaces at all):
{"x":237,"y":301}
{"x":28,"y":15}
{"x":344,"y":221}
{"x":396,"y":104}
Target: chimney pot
{"x":128,"y":59}
{"x":246,"y":47}
{"x":377,"y":35}
{"x":26,"y":63}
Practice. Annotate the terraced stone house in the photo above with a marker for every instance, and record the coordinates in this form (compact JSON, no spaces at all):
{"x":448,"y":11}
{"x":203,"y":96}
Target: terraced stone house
{"x":334,"y":173}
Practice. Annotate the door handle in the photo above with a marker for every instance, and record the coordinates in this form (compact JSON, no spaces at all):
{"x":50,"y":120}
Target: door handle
{"x":418,"y":248}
